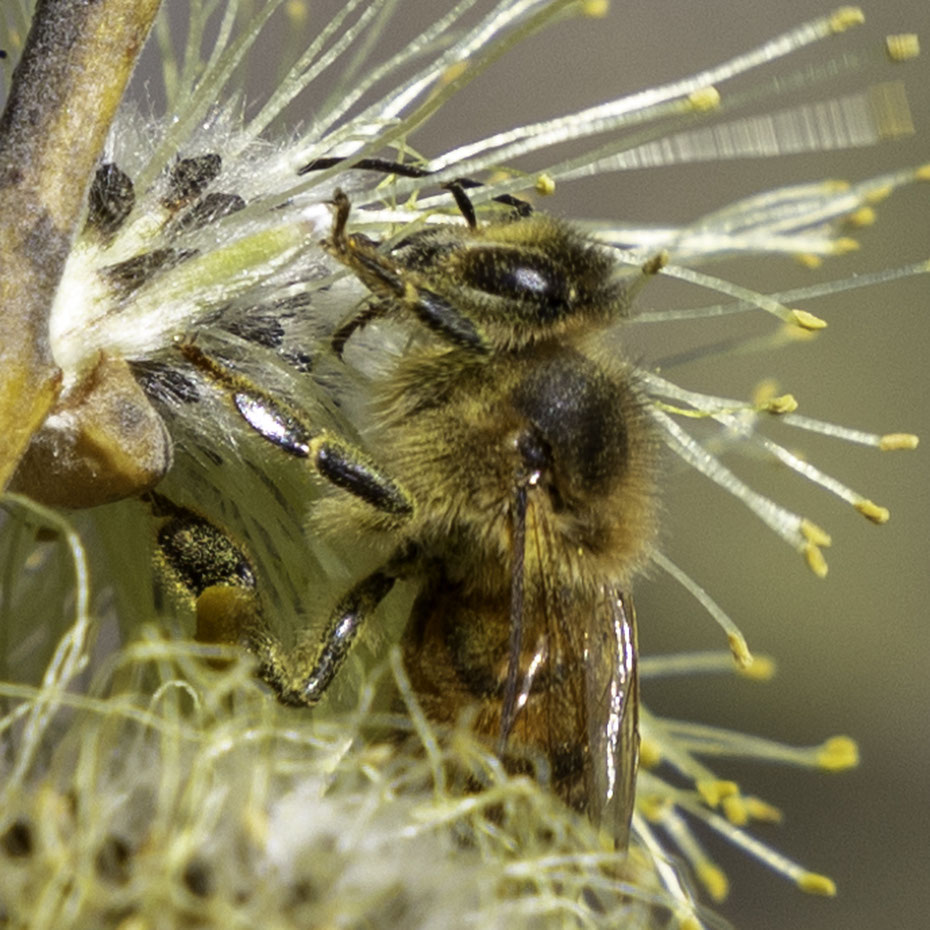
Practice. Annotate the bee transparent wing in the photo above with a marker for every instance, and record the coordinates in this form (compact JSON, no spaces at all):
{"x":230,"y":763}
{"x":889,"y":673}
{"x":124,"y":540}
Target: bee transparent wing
{"x":612,"y":710}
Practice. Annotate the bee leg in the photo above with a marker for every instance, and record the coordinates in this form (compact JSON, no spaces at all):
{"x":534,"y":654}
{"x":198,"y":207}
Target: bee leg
{"x":298,"y":684}
{"x":199,"y":561}
{"x":337,"y":461}
{"x":356,"y":321}
{"x":382,"y":276}
{"x":204,"y":564}
{"x":386,"y":166}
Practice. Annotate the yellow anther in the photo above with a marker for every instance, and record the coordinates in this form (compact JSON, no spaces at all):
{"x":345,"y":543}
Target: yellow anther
{"x":545,"y":184}
{"x":689,"y":922}
{"x":735,"y":810}
{"x":786,"y":403}
{"x":454,"y":71}
{"x":902,"y":47}
{"x":650,"y":753}
{"x":845,"y":18}
{"x":844,"y":244}
{"x":714,"y":880}
{"x":838,"y":753}
{"x":872,"y":511}
{"x":809,"y":260}
{"x":815,"y":560}
{"x":762,"y":810}
{"x":813,"y":883}
{"x":764,"y":391}
{"x":806,"y":320}
{"x":878,"y":194}
{"x":739,"y":650}
{"x":714,"y":790}
{"x":704,"y":99}
{"x":297,"y":12}
{"x":653,"y":807}
{"x":891,"y":442}
{"x":864,"y":216}
{"x":923,"y":173}
{"x":762,"y":668}
{"x":596,"y":9}
{"x":815,"y":534}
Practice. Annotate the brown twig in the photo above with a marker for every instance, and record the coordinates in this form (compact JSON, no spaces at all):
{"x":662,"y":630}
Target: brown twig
{"x":74,"y":68}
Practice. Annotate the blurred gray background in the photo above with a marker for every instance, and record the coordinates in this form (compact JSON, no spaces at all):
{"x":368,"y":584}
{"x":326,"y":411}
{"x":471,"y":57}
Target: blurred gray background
{"x":853,"y":650}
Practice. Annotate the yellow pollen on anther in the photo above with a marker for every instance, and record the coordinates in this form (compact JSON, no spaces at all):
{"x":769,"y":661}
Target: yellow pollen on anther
{"x":815,"y":560}
{"x":845,"y":18}
{"x":714,"y":880}
{"x":815,"y":534}
{"x":596,"y":9}
{"x":653,"y":807}
{"x":714,"y":790}
{"x":545,"y":184}
{"x":813,"y":883}
{"x":892,"y":442}
{"x":786,"y":403}
{"x":704,"y":99}
{"x":872,"y":511}
{"x":806,"y":320}
{"x":762,"y":810}
{"x":734,"y":809}
{"x":650,"y":753}
{"x":902,"y":47}
{"x":844,"y":244}
{"x":838,"y":753}
{"x":864,"y":216}
{"x":739,"y":649}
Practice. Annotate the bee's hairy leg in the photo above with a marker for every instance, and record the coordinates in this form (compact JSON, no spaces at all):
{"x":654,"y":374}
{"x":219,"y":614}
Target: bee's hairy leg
{"x":337,"y":461}
{"x":297,"y":682}
{"x":384,"y":277}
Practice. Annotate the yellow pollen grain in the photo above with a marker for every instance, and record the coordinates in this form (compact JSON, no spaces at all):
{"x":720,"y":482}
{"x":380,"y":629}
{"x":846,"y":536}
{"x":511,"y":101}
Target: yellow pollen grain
{"x":454,"y":71}
{"x":864,"y":216}
{"x":815,"y":560}
{"x":712,"y":877}
{"x":838,"y":754}
{"x":734,"y":809}
{"x":892,"y":442}
{"x":596,"y":9}
{"x":845,"y":18}
{"x":704,"y":99}
{"x":879,"y":194}
{"x":297,"y":12}
{"x":545,"y":185}
{"x":714,"y":790}
{"x":904,"y":46}
{"x":650,"y":753}
{"x":815,"y":534}
{"x":653,"y":807}
{"x":872,"y":511}
{"x":786,"y":403}
{"x":813,"y":883}
{"x":806,"y":320}
{"x":845,"y":244}
{"x":762,"y":810}
{"x":809,"y":260}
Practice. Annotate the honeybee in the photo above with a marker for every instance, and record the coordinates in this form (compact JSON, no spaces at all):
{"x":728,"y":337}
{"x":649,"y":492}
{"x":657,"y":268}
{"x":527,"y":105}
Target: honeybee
{"x":514,"y":481}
